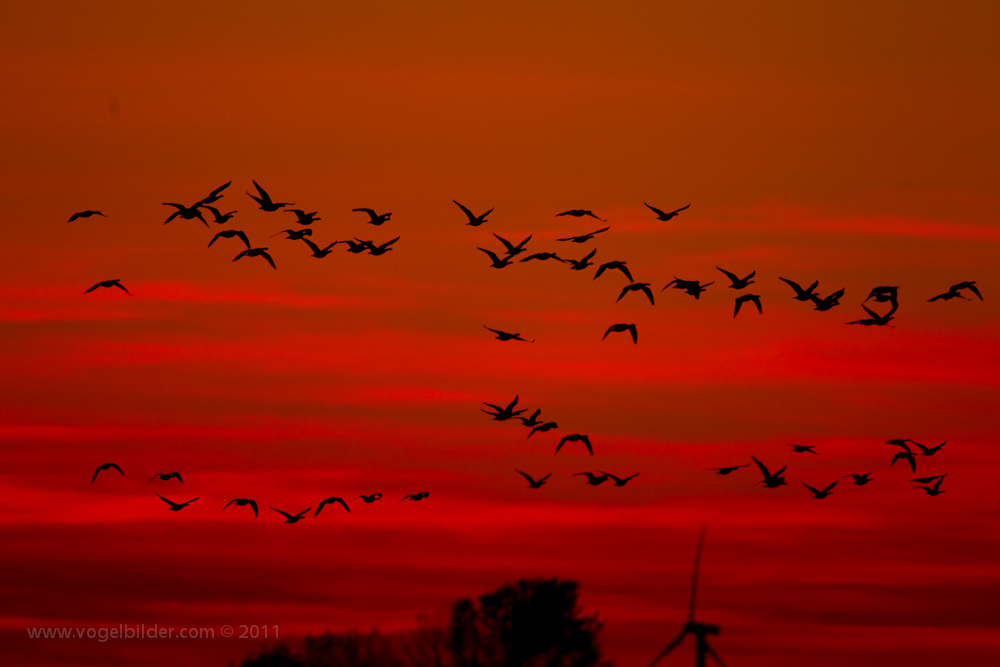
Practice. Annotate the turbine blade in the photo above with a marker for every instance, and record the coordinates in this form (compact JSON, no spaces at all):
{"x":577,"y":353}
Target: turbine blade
{"x":670,"y":648}
{"x":715,"y":656}
{"x":694,"y":575}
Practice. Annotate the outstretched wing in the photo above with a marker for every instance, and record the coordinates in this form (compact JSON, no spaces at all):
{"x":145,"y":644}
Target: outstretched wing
{"x":732,"y":276}
{"x":472,"y":218}
{"x":510,"y":247}
{"x":655,"y":210}
{"x":496,"y":260}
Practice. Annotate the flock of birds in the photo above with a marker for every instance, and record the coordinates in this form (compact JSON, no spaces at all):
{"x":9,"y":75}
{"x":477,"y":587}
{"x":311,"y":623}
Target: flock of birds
{"x":881,"y":294}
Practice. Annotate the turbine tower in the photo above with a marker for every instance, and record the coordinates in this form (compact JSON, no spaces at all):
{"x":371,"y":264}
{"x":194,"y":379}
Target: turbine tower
{"x":699,"y":630}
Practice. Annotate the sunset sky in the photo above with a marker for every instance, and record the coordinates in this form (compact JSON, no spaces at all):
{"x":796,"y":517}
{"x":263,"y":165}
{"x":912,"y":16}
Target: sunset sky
{"x":853,"y":143}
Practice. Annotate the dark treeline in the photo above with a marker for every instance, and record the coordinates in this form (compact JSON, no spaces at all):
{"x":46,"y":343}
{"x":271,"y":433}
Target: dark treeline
{"x":535,"y":623}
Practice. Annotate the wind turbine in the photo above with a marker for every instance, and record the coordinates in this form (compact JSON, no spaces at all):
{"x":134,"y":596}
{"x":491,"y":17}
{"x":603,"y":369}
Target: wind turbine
{"x":699,"y":630}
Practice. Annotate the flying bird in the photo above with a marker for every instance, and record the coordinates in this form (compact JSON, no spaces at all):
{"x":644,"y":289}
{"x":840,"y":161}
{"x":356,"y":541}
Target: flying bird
{"x":899,"y":442}
{"x":329,"y":501}
{"x":828,"y":302}
{"x":503,"y":414}
{"x":581,"y":264}
{"x":576,"y":437}
{"x":242,"y":502}
{"x":619,"y":481}
{"x":184,"y":212}
{"x":228,"y":234}
{"x":544,"y":256}
{"x":533,"y":483}
{"x":214,"y":196}
{"x":109,"y":283}
{"x":737,"y":282}
{"x":660,"y":215}
{"x":497,"y":262}
{"x":266,"y":204}
{"x":474,"y":220}
{"x":316,"y":250}
{"x":884,"y":293}
{"x":928,"y":480}
{"x":368,"y":500}
{"x":85,"y":214}
{"x":176,"y":507}
{"x":692,"y":287}
{"x":859,"y":480}
{"x":928,"y":451}
{"x":905,"y":456}
{"x":613,"y":265}
{"x":770,"y":481}
{"x":728,"y":469}
{"x":801,"y":294}
{"x":740,"y":300}
{"x":512,"y":249}
{"x":503,"y":335}
{"x":105,"y":466}
{"x":933,"y":490}
{"x":293,"y":234}
{"x":618,"y":328}
{"x":304,"y":218}
{"x":819,"y":495}
{"x":592,"y":479}
{"x":532,"y":420}
{"x":165,"y":476}
{"x":874,"y":318}
{"x":376,"y":219}
{"x":257,"y":252}
{"x":358,"y":246}
{"x":381,"y":249}
{"x":220,"y":218}
{"x":579,"y":213}
{"x":584,"y":237}
{"x":542,"y":428}
{"x":292,"y":518}
{"x":415,"y":496}
{"x":956,"y":291}
{"x":804,"y":448}
{"x":634,"y":287}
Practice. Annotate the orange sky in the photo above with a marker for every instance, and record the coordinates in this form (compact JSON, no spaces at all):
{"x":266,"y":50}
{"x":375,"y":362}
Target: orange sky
{"x":845,"y":143}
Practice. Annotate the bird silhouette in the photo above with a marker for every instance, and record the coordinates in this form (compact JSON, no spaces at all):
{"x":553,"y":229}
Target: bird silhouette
{"x":819,"y":495}
{"x":635,"y":287}
{"x":542,"y":428}
{"x":692,"y":287}
{"x":503,"y":414}
{"x":257,"y":252}
{"x":228,"y":234}
{"x":576,"y":437}
{"x":859,"y":480}
{"x":660,"y":215}
{"x":242,"y":502}
{"x":899,"y":442}
{"x":884,"y":293}
{"x":214,"y":196}
{"x":905,"y":456}
{"x":512,"y":249}
{"x":116,"y":282}
{"x":804,"y":448}
{"x":584,"y":237}
{"x":105,"y":466}
{"x":618,"y":328}
{"x":619,"y":481}
{"x":532,"y":420}
{"x":874,"y":318}
{"x":375,"y":218}
{"x":933,"y":490}
{"x":581,"y":264}
{"x":956,"y":291}
{"x":592,"y":479}
{"x":740,"y":300}
{"x":165,"y":476}
{"x":579,"y":213}
{"x":316,"y":250}
{"x":928,"y":451}
{"x":302,"y":217}
{"x":928,"y":480}
{"x":801,"y":294}
{"x":770,"y":481}
{"x":176,"y":507}
{"x":544,"y":256}
{"x":737,"y":282}
{"x":828,"y":302}
{"x":329,"y":501}
{"x":497,"y":262}
{"x":381,"y":249}
{"x":533,"y":483}
{"x":368,"y":500}
{"x":84,"y":214}
{"x":220,"y":218}
{"x":613,"y":265}
{"x":184,"y":212}
{"x":266,"y":204}
{"x":416,"y":497}
{"x":503,"y":335}
{"x":289,"y":518}
{"x":474,"y":220}
{"x":358,"y":246}
{"x":728,"y":469}
{"x":294,"y":234}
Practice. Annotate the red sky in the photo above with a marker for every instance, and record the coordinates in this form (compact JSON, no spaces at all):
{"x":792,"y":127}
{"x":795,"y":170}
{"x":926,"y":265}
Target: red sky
{"x":845,"y":143}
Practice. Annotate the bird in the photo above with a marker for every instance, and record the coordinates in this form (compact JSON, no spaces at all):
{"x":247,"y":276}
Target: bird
{"x":728,"y":469}
{"x":770,"y":481}
{"x":241,"y":502}
{"x":316,"y":250}
{"x":740,"y":300}
{"x":368,"y":500}
{"x":644,"y":287}
{"x":737,"y":282}
{"x":801,"y":294}
{"x":116,"y":282}
{"x":860,"y":480}
{"x":184,"y":212}
{"x":512,"y":249}
{"x":266,"y":204}
{"x":906,"y":456}
{"x":503,"y":335}
{"x":220,"y":218}
{"x":533,"y":483}
{"x":619,"y":481}
{"x":164,"y":476}
{"x":828,"y":302}
{"x":358,"y":246}
{"x":503,"y":414}
{"x":415,"y":496}
{"x":804,"y":448}
{"x":329,"y":501}
{"x":544,"y":256}
{"x":581,"y":264}
{"x":928,"y":480}
{"x":660,"y":215}
{"x":618,"y":328}
{"x":176,"y":507}
{"x":105,"y":466}
{"x":532,"y":420}
{"x":542,"y":428}
{"x":257,"y":252}
{"x":474,"y":220}
{"x":613,"y":265}
{"x":214,"y":196}
{"x":290,"y":518}
{"x":819,"y":495}
{"x":584,"y":237}
{"x":302,"y":217}
{"x":899,"y":442}
{"x":228,"y":234}
{"x":955,"y":291}
{"x":381,"y":249}
{"x":576,"y":437}
{"x":874,"y":318}
{"x":579,"y":213}
{"x":85,"y":214}
{"x":293,"y":234}
{"x":497,"y":262}
{"x":933,"y":490}
{"x":928,"y":451}
{"x":376,"y":219}
{"x":592,"y":479}
{"x":692,"y":287}
{"x":884,"y":293}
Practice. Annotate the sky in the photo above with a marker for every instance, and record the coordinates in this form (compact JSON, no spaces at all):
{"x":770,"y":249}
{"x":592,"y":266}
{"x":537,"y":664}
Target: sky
{"x":846,"y":142}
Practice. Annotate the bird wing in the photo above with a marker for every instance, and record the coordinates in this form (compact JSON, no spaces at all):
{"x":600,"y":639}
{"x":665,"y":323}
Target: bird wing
{"x":511,"y":405}
{"x":243,"y":237}
{"x":121,"y":287}
{"x":268,"y":258}
{"x":526,"y":476}
{"x":827,"y":489}
{"x":592,"y":253}
{"x":227,"y":504}
{"x":213,"y":193}
{"x":496,"y":260}
{"x":169,"y":502}
{"x":388,"y":243}
{"x":341,"y":501}
{"x":472,"y":218}
{"x":263,"y":194}
{"x":510,"y":247}
{"x":312,"y":246}
{"x":253,"y":504}
{"x":811,"y":489}
{"x":975,"y":290}
{"x":682,"y":208}
{"x":649,"y":293}
{"x":655,"y":210}
{"x":731,"y":276}
{"x":586,"y":441}
{"x":739,"y":303}
{"x":240,"y":255}
{"x":634,"y":332}
{"x":763,"y":468}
